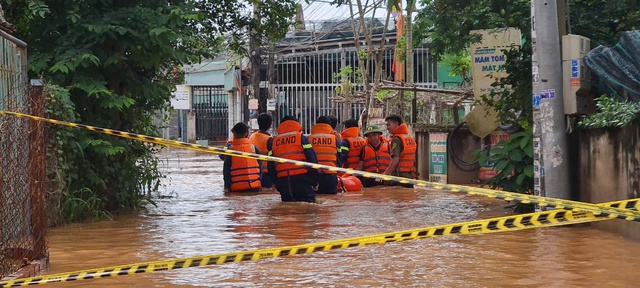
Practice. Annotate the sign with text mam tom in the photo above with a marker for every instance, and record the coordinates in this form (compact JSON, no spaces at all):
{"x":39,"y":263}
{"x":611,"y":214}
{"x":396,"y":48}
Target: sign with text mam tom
{"x":487,"y":58}
{"x":438,"y":157}
{"x":181,"y":98}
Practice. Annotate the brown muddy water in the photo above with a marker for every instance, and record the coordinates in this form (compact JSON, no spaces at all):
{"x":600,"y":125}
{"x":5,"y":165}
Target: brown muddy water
{"x":194,"y":217}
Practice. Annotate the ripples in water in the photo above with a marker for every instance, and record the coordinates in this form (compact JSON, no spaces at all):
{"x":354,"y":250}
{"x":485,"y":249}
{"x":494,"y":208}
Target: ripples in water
{"x":199,"y":219}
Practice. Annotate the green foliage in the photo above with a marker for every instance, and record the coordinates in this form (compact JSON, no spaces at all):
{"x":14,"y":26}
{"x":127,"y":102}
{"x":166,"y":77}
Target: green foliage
{"x":113,"y":64}
{"x":603,"y":20}
{"x":224,"y":17}
{"x":611,"y":113}
{"x":347,"y":78}
{"x":513,"y":161}
{"x":460,"y":64}
{"x":83,"y":204}
{"x":512,"y":98}
{"x":448,"y":23}
{"x":383,"y":94}
{"x":62,"y":147}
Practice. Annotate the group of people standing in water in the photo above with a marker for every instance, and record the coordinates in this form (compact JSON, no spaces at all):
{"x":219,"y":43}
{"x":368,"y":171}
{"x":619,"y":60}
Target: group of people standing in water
{"x":371,"y":153}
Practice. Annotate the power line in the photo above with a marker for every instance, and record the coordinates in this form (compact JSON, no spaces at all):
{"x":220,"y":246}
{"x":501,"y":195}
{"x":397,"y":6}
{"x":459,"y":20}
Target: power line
{"x":314,"y":38}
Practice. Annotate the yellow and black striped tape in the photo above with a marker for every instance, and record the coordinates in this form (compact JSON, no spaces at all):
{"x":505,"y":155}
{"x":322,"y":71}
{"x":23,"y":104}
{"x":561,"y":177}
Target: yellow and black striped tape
{"x":502,"y":224}
{"x":509,"y":196}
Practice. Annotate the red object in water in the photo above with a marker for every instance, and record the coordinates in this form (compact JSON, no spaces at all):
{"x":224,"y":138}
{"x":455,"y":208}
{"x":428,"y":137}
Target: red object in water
{"x":349,"y":184}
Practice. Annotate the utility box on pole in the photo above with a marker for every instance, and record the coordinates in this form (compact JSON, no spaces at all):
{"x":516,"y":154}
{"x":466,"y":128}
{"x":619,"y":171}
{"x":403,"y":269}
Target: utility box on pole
{"x":576,"y":78}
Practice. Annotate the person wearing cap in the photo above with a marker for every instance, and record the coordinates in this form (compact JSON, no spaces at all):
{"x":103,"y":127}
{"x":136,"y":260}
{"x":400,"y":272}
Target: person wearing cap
{"x":242,"y":174}
{"x":375,"y":156}
{"x":403,"y":150}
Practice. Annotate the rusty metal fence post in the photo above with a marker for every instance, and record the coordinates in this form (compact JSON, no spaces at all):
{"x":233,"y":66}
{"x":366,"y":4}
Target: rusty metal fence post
{"x":37,"y":163}
{"x":22,"y":162}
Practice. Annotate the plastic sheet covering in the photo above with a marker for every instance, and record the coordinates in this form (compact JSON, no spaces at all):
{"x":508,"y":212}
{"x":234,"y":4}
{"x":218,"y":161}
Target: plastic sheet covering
{"x":619,"y":66}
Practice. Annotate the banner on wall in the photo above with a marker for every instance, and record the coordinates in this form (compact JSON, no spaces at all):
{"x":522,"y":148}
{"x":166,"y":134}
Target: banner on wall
{"x":486,"y":170}
{"x":438,"y":157}
{"x":181,"y":98}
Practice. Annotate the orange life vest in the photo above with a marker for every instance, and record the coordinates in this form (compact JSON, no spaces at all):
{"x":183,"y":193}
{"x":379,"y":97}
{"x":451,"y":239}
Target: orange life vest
{"x":245,"y":173}
{"x":356,"y":143}
{"x":377,"y":161}
{"x":324,"y":143}
{"x":259,"y":140}
{"x":288,"y":144}
{"x":408,"y":156}
{"x":349,"y":184}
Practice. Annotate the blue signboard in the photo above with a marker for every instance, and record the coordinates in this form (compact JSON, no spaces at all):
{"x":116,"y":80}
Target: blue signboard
{"x":575,"y":68}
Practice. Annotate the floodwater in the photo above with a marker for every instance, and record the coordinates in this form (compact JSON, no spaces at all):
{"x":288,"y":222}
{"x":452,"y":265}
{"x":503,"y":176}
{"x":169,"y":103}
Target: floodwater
{"x":194,"y":217}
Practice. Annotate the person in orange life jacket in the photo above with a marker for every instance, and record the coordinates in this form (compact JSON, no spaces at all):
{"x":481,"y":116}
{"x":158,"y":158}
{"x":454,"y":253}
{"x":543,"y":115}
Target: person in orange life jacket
{"x":242,"y":174}
{"x":295,"y":183}
{"x":334,"y":124}
{"x":374,"y":156}
{"x":403,"y":150}
{"x":260,"y":139}
{"x":224,"y":157}
{"x":325,"y":145}
{"x":351,"y":144}
{"x":227,"y":144}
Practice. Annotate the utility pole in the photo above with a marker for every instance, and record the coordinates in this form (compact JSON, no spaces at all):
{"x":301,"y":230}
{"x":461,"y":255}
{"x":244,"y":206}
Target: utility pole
{"x":409,"y":58}
{"x":551,"y":170}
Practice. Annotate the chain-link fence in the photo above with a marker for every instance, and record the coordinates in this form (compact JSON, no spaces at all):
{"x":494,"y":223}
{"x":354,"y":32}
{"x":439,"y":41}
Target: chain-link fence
{"x":22,"y":218}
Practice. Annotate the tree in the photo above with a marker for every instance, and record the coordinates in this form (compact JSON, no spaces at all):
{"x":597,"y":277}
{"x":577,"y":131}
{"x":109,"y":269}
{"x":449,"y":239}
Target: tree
{"x":359,"y":26}
{"x":118,"y":61}
{"x":448,"y":24}
{"x":603,"y":20}
{"x":460,"y":64}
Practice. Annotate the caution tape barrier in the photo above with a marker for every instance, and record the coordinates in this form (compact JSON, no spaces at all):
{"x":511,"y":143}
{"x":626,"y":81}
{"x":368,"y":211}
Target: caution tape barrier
{"x":509,"y":196}
{"x":501,"y":224}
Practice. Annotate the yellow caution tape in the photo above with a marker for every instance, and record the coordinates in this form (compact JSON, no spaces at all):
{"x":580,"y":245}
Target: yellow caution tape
{"x":509,"y":196}
{"x":502,"y":224}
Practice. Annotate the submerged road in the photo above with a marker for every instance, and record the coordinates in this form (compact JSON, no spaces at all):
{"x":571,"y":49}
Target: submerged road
{"x":194,"y":217}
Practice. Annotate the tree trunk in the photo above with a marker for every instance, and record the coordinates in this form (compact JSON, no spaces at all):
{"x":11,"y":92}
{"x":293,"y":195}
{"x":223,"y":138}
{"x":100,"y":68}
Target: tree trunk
{"x":409,"y":50}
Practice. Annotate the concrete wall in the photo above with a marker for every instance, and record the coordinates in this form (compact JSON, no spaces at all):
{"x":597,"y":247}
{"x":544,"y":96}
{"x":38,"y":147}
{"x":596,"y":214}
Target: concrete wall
{"x":609,"y":170}
{"x":464,"y":144}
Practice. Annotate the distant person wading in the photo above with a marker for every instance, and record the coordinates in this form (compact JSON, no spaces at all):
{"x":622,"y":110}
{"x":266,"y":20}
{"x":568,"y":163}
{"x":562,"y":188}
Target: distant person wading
{"x":260,"y":139}
{"x":242,"y":174}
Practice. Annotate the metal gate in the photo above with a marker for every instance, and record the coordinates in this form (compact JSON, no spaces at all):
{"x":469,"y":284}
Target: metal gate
{"x":306,"y":85}
{"x":211,"y":104}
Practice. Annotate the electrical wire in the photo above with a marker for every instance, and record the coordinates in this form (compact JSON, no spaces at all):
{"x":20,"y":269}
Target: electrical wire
{"x":459,"y":163}
{"x":313,"y":39}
